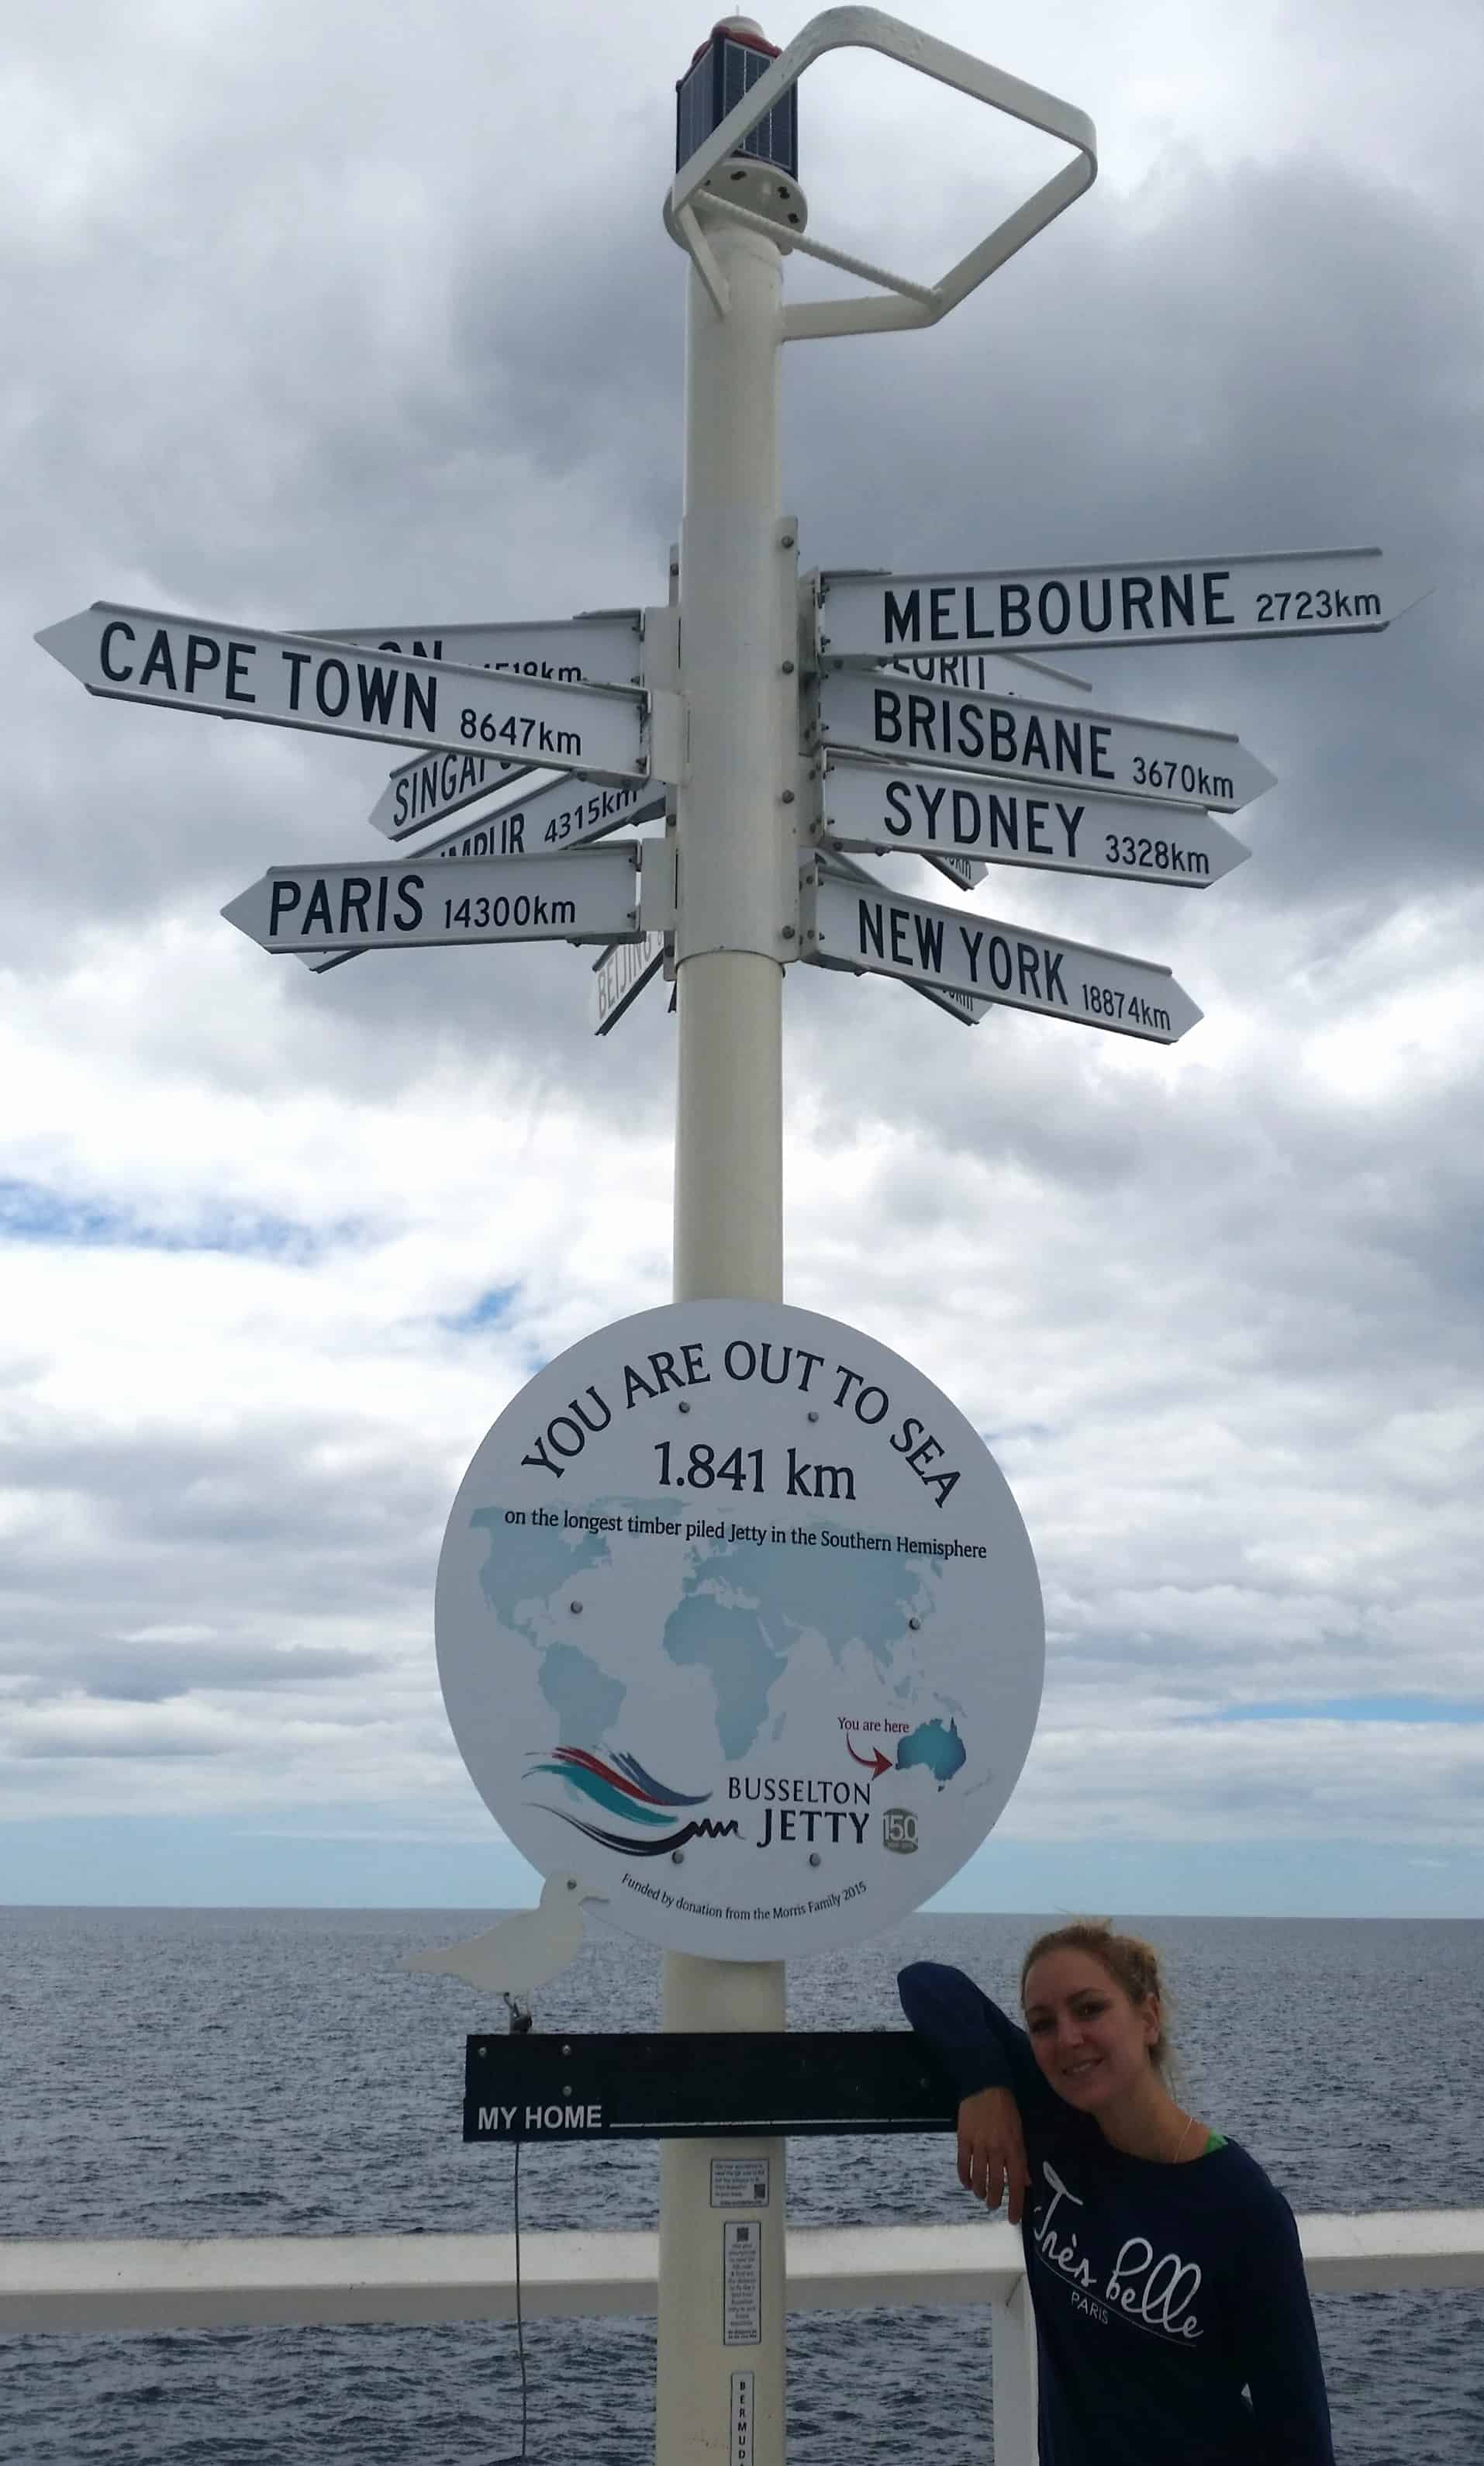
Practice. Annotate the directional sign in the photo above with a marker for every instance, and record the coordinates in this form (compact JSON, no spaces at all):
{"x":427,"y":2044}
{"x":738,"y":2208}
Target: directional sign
{"x":540,"y":821}
{"x":1087,"y":607}
{"x":969,"y":1009}
{"x":1037,"y":741}
{"x":568,"y":814}
{"x":872,"y":806}
{"x":436,"y":785}
{"x":858,"y":927}
{"x":965,"y":872}
{"x":589,"y":898}
{"x":579,"y":650}
{"x":295,"y":681}
{"x":619,"y":976}
{"x":972,"y":669}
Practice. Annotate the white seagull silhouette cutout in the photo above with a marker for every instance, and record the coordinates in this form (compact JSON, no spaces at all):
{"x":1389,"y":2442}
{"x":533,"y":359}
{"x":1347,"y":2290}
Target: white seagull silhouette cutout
{"x":523,"y":1952}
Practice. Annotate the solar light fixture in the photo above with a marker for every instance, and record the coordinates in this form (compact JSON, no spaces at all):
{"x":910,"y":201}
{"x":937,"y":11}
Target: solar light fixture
{"x":727,"y":64}
{"x":763,"y":193}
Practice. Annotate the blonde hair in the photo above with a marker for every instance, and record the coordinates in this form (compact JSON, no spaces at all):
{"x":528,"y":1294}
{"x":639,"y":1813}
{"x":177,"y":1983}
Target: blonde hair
{"x":1130,"y":1961}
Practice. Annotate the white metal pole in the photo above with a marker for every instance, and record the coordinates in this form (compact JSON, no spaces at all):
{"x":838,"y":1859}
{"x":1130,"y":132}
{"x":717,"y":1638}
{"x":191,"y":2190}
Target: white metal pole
{"x":735,"y":844}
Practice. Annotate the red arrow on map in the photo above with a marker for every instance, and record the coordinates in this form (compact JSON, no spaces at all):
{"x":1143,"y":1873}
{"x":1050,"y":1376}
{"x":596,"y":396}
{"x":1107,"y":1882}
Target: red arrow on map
{"x":878,"y":1762}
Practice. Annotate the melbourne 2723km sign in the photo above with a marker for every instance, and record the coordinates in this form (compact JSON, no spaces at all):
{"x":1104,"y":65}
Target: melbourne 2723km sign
{"x":736,"y":1614}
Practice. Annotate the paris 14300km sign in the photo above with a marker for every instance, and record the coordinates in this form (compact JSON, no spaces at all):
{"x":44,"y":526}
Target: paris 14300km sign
{"x":737,"y":1617}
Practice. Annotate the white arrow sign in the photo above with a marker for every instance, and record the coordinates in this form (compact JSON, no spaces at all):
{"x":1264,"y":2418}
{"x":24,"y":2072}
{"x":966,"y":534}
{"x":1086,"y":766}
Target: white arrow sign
{"x":1041,"y":742}
{"x":979,"y":671}
{"x":854,"y":925}
{"x":968,"y":1009}
{"x":440,"y":784}
{"x":598,"y":650}
{"x":294,"y":680}
{"x":569,"y":814}
{"x":540,"y":820}
{"x":619,"y":976}
{"x":593,"y":897}
{"x":965,"y":872}
{"x":873,"y":805}
{"x":1087,"y":607}
{"x":436,"y":785}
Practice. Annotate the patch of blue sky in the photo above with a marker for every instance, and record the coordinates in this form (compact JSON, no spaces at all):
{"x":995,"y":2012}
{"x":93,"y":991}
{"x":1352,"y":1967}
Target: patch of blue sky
{"x":1457,"y":1709}
{"x":29,"y":1212}
{"x":491,"y":1308}
{"x":1019,"y":1434}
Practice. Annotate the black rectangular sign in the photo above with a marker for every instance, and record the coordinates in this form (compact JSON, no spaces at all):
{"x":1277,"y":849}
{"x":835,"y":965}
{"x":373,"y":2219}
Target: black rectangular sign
{"x":700,"y":2086}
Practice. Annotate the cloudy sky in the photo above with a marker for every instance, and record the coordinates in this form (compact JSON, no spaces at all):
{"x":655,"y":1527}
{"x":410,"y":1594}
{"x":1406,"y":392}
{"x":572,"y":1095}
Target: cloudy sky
{"x":365,"y":314}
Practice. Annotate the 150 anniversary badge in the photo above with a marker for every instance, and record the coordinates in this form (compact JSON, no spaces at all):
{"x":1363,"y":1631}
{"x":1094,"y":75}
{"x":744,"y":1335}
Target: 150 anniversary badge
{"x":736,"y":1614}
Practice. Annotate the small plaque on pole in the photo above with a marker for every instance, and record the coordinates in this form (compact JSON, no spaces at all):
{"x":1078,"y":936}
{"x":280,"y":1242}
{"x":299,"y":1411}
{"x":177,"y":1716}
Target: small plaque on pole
{"x":742,"y":2283}
{"x":740,"y":2421}
{"x":739,"y":2183}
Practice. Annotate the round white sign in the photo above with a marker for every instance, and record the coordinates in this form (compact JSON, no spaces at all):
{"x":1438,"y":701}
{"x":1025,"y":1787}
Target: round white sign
{"x":737,"y":1617}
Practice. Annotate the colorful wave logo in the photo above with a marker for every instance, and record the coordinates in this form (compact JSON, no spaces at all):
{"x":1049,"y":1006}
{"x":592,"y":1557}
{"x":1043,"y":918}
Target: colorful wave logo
{"x":623,"y":1787}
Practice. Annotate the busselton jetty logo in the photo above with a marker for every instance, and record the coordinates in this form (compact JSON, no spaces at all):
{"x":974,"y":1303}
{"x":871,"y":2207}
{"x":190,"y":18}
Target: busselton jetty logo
{"x":623,"y":1787}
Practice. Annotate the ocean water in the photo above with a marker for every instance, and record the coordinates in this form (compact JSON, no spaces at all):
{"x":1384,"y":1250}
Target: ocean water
{"x":203,"y":2073}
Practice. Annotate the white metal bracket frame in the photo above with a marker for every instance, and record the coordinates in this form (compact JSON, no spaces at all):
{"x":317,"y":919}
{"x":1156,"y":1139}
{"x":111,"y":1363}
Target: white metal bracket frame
{"x":912,"y":303}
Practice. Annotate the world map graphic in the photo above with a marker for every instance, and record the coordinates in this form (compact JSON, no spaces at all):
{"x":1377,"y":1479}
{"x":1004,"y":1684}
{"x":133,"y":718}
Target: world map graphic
{"x":742,"y":1610}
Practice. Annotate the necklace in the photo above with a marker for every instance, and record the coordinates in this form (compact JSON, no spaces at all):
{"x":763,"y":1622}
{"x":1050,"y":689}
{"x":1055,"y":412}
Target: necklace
{"x":1190,"y":2125}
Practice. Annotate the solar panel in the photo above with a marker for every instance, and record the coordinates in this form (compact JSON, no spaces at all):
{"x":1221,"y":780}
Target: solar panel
{"x":723,"y":70}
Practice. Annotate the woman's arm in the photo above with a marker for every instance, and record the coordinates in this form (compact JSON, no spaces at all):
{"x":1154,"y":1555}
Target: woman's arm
{"x":990,"y":2064}
{"x":977,"y":2044}
{"x":1278,"y":2348}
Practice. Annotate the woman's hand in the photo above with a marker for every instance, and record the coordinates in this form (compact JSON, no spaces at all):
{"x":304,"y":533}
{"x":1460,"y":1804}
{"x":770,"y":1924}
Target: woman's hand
{"x":991,"y":2151}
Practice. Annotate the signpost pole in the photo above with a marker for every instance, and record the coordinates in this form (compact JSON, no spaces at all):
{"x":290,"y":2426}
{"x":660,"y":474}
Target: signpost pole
{"x":721,"y":2330}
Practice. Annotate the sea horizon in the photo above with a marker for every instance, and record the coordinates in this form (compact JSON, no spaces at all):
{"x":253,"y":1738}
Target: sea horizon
{"x":176,"y":2070}
{"x":501,"y":1908}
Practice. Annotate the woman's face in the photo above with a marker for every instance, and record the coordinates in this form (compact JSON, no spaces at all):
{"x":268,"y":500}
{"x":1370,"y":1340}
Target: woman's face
{"x":1092,"y":2043}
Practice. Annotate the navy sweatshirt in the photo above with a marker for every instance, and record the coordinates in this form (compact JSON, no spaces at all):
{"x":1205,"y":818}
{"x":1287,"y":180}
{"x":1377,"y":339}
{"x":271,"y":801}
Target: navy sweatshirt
{"x":1172,"y":2322}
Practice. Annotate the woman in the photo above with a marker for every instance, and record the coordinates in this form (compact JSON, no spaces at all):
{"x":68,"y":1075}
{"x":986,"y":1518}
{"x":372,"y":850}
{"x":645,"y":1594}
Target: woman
{"x":1172,"y":2324}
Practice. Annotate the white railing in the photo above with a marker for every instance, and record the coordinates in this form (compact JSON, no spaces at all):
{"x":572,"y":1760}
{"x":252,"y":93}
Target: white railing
{"x":308,"y":2281}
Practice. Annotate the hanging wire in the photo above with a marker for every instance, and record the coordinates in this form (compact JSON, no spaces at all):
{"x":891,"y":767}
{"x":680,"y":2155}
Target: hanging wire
{"x":520,"y":2322}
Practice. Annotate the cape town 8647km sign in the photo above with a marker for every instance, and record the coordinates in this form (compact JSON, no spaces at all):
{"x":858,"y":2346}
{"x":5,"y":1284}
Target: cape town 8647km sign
{"x":736,"y":1615}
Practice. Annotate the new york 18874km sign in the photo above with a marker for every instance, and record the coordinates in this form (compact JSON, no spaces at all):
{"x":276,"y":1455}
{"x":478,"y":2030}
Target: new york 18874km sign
{"x":737,"y":1617}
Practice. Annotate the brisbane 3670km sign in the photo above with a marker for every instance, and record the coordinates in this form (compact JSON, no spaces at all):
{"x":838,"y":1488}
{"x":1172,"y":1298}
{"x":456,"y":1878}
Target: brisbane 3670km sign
{"x":736,"y":1616}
